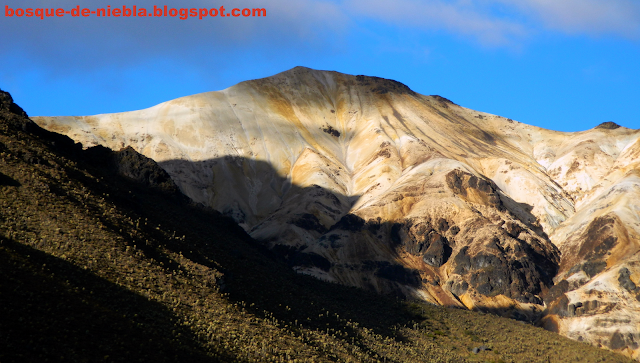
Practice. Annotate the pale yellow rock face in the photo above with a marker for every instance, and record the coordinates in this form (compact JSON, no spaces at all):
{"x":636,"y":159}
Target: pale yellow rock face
{"x":363,"y":174}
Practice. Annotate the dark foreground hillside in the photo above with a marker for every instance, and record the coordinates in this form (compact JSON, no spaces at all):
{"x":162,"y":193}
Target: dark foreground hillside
{"x":102,"y":259}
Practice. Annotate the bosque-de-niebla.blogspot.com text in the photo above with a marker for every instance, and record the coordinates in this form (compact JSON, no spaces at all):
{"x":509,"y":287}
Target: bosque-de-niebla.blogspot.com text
{"x":134,"y":12}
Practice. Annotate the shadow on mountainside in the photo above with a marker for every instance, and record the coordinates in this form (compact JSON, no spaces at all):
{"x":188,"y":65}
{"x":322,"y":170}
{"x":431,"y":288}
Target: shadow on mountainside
{"x":8,"y":181}
{"x":521,"y":273}
{"x":129,"y":197}
{"x":254,"y":276}
{"x":256,"y":190}
{"x":262,"y":281}
{"x":98,"y":264}
{"x":53,"y":310}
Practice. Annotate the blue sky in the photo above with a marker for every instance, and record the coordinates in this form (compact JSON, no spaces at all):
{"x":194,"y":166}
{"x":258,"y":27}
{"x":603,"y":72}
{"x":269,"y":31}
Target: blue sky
{"x":565,"y":65}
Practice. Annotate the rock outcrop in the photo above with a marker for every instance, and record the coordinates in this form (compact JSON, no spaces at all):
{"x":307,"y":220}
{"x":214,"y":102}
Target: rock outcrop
{"x":361,"y":181}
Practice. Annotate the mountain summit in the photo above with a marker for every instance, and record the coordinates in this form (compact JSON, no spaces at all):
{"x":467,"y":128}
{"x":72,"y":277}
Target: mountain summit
{"x":361,"y":181}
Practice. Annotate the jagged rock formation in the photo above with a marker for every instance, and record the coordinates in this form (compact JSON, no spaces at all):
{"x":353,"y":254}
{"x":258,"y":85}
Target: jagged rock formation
{"x":361,"y":181}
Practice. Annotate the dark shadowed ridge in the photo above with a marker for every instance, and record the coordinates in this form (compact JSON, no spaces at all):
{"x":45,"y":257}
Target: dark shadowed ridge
{"x":609,"y":125}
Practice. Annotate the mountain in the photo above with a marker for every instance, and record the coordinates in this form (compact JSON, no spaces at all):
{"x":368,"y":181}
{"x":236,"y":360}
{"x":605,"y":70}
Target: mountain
{"x":361,"y":181}
{"x":102,"y":259}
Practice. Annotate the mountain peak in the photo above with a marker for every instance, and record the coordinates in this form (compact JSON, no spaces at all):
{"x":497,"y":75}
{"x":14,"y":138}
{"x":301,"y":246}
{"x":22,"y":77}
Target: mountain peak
{"x":609,"y":125}
{"x":6,"y":103}
{"x":383,"y":85}
{"x":377,"y":85}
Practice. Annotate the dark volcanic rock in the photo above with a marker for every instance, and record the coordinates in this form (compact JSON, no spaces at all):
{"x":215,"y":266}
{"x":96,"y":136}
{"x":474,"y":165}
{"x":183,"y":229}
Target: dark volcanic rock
{"x":6,"y":103}
{"x":382,"y":85}
{"x":462,"y":261}
{"x":349,"y":222}
{"x":571,"y":308}
{"x":473,"y":189}
{"x":560,"y":307}
{"x":609,"y":125}
{"x":619,"y":341}
{"x":443,"y":101}
{"x":592,"y":268}
{"x":442,"y":225}
{"x":331,"y":131}
{"x":599,"y":238}
{"x":416,"y":236}
{"x":503,"y":265}
{"x":310,"y":260}
{"x":310,"y":222}
{"x":15,"y":117}
{"x":513,"y":229}
{"x":457,"y":287}
{"x":625,"y":281}
{"x":395,"y":272}
{"x":138,"y":167}
{"x":556,"y":291}
{"x":399,"y":235}
{"x":131,"y":164}
{"x":438,"y":252}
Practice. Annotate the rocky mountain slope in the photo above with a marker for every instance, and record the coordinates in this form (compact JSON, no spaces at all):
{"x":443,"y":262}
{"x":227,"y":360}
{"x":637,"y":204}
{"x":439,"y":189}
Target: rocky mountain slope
{"x":101,"y":259}
{"x":361,"y":181}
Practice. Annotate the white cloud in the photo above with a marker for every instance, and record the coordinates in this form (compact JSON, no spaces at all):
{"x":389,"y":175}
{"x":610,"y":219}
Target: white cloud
{"x":594,"y":17}
{"x":507,"y":22}
{"x":463,"y":17}
{"x":309,"y":27}
{"x":94,"y":42}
